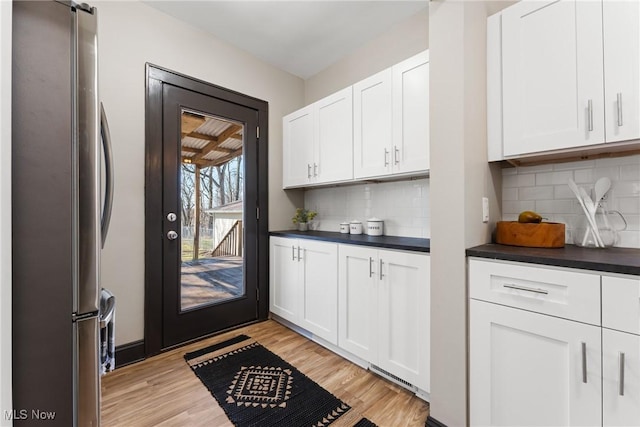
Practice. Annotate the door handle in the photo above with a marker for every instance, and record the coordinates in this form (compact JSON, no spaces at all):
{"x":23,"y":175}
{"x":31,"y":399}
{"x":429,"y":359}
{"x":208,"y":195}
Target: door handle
{"x":590,"y":115}
{"x":525,"y":288}
{"x":386,"y":155}
{"x":381,"y":263}
{"x":172,"y":235}
{"x":298,"y":253}
{"x":396,"y":155}
{"x":619,"y":103}
{"x":108,"y":163}
{"x":621,"y":373}
{"x":315,"y":169}
{"x":293,"y":253}
{"x":370,"y":266}
{"x":308,"y":171}
{"x":584,"y":362}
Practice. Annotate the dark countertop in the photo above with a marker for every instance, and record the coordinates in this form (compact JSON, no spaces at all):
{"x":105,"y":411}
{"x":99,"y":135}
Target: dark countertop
{"x":387,"y":242}
{"x":610,"y":260}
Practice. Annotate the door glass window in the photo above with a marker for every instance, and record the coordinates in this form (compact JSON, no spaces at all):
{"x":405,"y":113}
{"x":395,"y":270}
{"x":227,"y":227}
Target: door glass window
{"x":212,"y":210}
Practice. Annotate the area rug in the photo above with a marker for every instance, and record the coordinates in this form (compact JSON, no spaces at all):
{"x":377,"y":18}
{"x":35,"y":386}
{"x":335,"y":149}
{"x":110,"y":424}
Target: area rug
{"x":255,"y":387}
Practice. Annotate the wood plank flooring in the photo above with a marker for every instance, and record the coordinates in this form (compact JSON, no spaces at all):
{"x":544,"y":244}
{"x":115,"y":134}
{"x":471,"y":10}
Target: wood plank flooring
{"x":162,"y":391}
{"x":210,"y":280}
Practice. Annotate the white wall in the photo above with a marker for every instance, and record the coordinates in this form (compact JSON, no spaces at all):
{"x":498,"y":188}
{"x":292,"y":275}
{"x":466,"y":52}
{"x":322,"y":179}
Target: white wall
{"x":5,"y":210}
{"x":400,"y":42}
{"x":460,"y":176}
{"x":130,"y":34}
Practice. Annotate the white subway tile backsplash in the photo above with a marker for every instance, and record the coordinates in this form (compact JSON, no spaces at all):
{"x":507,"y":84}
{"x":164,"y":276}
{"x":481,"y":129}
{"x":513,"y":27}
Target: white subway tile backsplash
{"x":509,"y":194}
{"x":535,"y":193}
{"x":546,"y":192}
{"x":510,"y":181}
{"x":630,"y":172}
{"x":553,"y":178}
{"x":403,"y":205}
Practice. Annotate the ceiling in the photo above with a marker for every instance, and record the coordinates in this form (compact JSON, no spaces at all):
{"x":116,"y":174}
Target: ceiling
{"x":301,"y":37}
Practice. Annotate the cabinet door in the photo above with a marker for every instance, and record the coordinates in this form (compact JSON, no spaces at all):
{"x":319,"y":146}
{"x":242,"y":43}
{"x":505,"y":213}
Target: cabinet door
{"x":621,"y":303}
{"x":526,"y":369}
{"x":372,"y":126}
{"x":357,"y":301}
{"x":284,"y":285}
{"x":297,"y":147}
{"x":620,"y":378}
{"x":334,"y":139}
{"x":319,"y":292}
{"x":404,"y":316}
{"x":552,"y":75}
{"x":410,"y":151}
{"x":621,"y":20}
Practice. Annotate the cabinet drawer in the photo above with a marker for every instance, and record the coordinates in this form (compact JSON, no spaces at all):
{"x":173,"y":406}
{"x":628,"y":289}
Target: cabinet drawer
{"x":621,"y":303}
{"x":563,"y":293}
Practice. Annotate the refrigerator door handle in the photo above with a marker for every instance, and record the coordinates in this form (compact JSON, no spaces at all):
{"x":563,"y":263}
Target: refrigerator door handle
{"x":108,"y":161}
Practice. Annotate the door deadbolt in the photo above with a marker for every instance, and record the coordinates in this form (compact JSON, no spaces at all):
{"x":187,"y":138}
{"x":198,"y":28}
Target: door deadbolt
{"x":171,"y":217}
{"x":172,"y":235}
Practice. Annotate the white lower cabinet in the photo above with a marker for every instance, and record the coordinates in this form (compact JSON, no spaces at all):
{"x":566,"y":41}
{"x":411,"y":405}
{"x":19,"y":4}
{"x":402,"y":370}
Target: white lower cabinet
{"x":552,"y":346}
{"x":531,"y":369}
{"x":384,"y":310}
{"x":620,"y":378}
{"x":304,"y":284}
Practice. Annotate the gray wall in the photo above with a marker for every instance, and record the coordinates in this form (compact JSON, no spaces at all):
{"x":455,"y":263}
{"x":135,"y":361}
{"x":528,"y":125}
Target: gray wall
{"x":5,"y":210}
{"x":460,"y":177}
{"x":131,"y":34}
{"x":400,"y":42}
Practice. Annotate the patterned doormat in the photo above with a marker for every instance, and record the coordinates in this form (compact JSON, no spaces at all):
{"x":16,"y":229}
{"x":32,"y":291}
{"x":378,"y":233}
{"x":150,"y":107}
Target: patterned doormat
{"x":257,"y":388}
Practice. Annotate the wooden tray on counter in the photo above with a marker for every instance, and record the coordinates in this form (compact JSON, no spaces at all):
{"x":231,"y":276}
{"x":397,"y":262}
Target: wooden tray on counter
{"x":542,"y":235}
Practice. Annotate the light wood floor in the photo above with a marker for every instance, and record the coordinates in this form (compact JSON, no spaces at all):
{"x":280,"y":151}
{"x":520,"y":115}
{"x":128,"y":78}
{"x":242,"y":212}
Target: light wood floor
{"x":162,"y":391}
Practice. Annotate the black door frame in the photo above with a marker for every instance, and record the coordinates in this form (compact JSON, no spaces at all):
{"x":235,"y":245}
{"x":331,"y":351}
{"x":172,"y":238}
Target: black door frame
{"x":156,"y":77}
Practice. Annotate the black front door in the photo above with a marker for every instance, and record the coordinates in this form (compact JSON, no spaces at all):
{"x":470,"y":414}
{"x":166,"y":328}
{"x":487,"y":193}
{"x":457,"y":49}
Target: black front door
{"x":210,"y":247}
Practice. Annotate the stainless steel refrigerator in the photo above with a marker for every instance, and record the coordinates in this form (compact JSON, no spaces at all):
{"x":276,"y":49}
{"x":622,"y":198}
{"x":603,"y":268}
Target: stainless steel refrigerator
{"x":59,"y":222}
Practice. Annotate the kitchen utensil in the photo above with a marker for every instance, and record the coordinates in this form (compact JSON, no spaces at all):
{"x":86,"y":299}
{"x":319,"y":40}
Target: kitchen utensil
{"x":355,"y":227}
{"x":375,"y":227}
{"x":590,"y":209}
{"x":344,"y":227}
{"x":603,"y":185}
{"x":572,"y":185}
{"x":609,"y":223}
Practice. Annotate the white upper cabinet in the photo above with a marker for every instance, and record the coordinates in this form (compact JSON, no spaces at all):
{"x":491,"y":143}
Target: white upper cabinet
{"x":621,"y":21}
{"x":298,"y":135}
{"x":391,"y":120}
{"x":562,"y":75}
{"x":411,"y":114}
{"x":372,"y":115}
{"x":552,"y":75}
{"x":317,"y":141}
{"x":333,"y":148}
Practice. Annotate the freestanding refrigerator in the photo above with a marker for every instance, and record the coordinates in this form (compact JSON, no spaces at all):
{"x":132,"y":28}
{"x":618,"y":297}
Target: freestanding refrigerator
{"x":56,"y":209}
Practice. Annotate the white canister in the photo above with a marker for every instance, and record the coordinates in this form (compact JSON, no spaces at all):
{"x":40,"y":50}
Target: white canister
{"x":375,"y":227}
{"x":344,"y":228}
{"x":355,"y":227}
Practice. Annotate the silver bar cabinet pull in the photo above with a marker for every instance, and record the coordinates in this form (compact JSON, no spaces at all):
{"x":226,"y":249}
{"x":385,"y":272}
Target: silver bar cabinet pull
{"x":293,"y":253}
{"x":370,"y":266}
{"x":308,"y":170}
{"x":584,"y":362}
{"x":525,"y":288}
{"x":396,"y":155}
{"x":386,"y":155}
{"x":381,"y":275}
{"x":315,"y":169}
{"x":619,"y":102}
{"x":621,"y":373}
{"x":298,"y":253}
{"x":590,"y":113}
